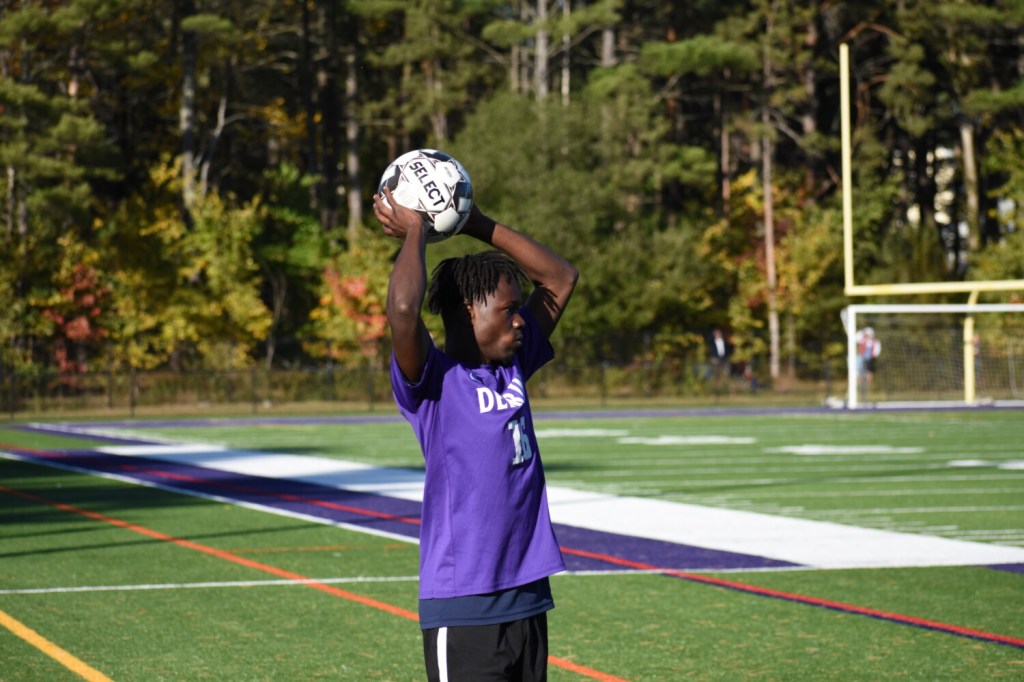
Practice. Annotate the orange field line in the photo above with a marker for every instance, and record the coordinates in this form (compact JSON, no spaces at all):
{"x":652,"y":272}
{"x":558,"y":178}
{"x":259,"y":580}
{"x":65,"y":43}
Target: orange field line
{"x":273,"y":570}
{"x":220,"y":554}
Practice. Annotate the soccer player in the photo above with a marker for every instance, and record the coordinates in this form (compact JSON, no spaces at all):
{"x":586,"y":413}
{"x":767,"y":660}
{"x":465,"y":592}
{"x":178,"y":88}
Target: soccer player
{"x":487,"y":546}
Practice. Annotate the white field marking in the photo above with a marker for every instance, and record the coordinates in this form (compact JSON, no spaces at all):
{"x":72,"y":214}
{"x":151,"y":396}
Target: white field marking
{"x":580,"y":433}
{"x":334,"y":473}
{"x":853,"y":513}
{"x":1012,"y":465}
{"x":338,"y":581}
{"x":845,"y":450}
{"x":158,"y":450}
{"x":682,"y":469}
{"x":725,"y":498}
{"x":217,"y":498}
{"x":189,"y":586}
{"x":962,"y":477}
{"x":724,"y":462}
{"x":713,"y":483}
{"x":811,"y":543}
{"x":814,"y":544}
{"x":885,"y":523}
{"x":694,"y":489}
{"x":918,"y":528}
{"x":687,"y":440}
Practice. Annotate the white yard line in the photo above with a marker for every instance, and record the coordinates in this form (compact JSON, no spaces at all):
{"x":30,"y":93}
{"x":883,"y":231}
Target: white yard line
{"x":814,"y":544}
{"x":341,"y":581}
{"x":883,"y":511}
{"x":727,"y":497}
{"x":685,"y":469}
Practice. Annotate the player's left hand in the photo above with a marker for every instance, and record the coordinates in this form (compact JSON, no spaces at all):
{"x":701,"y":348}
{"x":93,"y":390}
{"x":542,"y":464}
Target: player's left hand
{"x":398,"y":221}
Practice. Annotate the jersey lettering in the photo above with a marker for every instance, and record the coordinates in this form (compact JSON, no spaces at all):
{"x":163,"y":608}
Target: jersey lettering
{"x":520,"y":441}
{"x":490,"y":400}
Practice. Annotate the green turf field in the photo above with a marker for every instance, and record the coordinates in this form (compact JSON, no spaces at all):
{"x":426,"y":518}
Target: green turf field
{"x":125,"y":582}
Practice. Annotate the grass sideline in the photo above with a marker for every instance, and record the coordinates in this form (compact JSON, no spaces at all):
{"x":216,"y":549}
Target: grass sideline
{"x":631,"y":626}
{"x":787,"y":393}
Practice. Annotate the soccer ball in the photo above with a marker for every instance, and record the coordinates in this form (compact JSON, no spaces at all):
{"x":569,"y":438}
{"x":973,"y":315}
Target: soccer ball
{"x":434,"y":184}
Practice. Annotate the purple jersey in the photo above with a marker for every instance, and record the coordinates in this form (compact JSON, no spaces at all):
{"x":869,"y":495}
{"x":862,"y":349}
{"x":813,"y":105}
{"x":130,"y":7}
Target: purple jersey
{"x":485,"y":520}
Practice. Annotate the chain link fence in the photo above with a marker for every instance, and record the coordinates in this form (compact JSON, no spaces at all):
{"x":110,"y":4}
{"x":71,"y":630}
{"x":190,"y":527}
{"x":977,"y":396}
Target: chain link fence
{"x":368,"y":388}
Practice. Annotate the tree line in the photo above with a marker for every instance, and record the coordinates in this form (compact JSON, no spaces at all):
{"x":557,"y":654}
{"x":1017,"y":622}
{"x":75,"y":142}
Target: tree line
{"x":187,"y":183}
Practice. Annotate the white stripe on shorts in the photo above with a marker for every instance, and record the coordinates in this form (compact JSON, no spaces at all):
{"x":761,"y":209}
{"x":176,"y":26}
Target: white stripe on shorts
{"x":442,"y":654}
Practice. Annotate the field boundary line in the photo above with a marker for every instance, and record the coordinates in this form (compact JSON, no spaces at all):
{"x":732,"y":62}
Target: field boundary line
{"x":65,"y":658}
{"x":144,"y":587}
{"x":273,"y":570}
{"x":767,"y":535}
{"x":576,"y":509}
{"x":51,"y":459}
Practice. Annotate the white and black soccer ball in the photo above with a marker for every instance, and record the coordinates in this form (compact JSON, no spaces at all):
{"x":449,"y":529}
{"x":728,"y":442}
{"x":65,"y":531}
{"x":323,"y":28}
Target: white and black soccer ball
{"x":434,"y":184}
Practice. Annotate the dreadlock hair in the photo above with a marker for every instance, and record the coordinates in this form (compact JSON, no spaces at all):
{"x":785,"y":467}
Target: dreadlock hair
{"x":468,"y":279}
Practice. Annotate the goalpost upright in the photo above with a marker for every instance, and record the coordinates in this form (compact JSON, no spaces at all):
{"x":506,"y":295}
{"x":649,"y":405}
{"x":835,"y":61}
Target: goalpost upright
{"x":851,"y":288}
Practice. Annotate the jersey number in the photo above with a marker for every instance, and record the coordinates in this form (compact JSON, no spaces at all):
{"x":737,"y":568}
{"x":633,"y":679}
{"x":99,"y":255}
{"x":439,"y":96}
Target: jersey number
{"x":521,"y":441}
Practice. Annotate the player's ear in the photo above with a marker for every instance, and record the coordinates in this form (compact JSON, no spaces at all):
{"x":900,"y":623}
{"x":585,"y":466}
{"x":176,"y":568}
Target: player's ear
{"x":466,"y":314}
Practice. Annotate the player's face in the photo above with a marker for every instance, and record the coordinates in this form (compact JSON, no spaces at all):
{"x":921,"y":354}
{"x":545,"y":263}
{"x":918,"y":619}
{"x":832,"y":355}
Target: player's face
{"x":497,"y":324}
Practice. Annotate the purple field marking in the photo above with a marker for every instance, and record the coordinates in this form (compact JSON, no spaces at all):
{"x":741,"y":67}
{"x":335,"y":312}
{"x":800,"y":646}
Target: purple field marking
{"x":654,"y":552}
{"x":612,"y":545}
{"x":598,"y":550}
{"x":384,"y":514}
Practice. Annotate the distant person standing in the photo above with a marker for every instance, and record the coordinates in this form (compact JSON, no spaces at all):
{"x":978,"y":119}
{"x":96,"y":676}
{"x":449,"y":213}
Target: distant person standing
{"x":868,"y":350}
{"x":719,"y":352}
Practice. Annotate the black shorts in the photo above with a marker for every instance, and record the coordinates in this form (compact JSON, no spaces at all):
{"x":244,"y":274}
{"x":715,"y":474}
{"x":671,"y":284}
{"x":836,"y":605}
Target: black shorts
{"x":507,"y":651}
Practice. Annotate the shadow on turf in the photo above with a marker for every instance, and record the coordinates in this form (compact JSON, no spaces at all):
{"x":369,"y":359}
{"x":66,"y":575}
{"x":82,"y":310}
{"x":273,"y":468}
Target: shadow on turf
{"x":141,"y":542}
{"x":99,"y":496}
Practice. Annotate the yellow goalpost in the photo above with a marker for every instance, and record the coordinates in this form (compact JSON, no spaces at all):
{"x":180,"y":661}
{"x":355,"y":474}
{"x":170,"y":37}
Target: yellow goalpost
{"x":851,"y":288}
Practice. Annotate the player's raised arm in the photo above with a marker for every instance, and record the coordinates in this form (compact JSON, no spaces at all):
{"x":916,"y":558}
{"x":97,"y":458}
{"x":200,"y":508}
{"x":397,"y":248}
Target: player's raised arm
{"x":554,"y":278}
{"x":407,"y":286}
